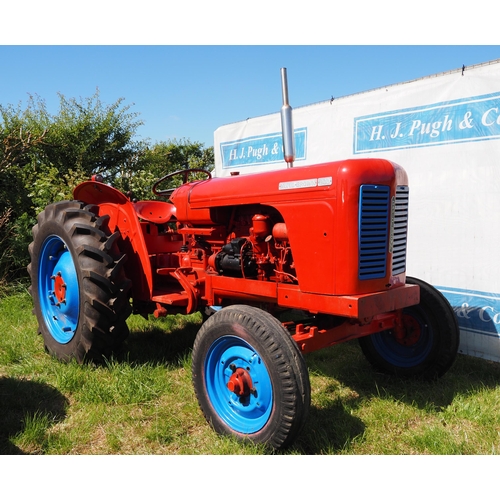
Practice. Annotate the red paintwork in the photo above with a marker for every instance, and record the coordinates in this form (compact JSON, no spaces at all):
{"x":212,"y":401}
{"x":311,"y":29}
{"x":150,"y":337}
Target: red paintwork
{"x":59,"y":288}
{"x":123,"y":218}
{"x":158,"y":212}
{"x":321,"y":221}
{"x":240,"y":382}
{"x":300,"y":226}
{"x":312,"y":338}
{"x":410,"y":331}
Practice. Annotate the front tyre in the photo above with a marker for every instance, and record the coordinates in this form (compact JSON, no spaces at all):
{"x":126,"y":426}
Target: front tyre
{"x":78,"y":285}
{"x":249,"y":376}
{"x":430,"y":340}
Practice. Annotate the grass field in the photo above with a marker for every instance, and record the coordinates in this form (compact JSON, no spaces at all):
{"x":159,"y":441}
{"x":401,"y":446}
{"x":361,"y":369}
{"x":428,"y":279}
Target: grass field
{"x":142,"y":403}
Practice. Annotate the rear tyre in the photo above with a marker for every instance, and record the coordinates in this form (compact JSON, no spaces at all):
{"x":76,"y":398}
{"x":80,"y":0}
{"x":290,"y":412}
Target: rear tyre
{"x":430,"y":344}
{"x":249,"y":376}
{"x":78,"y":284}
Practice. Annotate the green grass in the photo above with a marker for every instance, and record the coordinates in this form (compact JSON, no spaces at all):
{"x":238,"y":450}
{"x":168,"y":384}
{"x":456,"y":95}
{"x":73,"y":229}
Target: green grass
{"x":142,"y":402}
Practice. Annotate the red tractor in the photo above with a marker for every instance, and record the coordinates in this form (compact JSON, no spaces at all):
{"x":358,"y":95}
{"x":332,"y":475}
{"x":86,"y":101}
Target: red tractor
{"x":279,"y":263}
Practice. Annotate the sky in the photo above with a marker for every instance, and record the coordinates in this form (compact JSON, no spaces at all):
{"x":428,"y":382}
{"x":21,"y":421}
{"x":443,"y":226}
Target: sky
{"x":186,"y":92}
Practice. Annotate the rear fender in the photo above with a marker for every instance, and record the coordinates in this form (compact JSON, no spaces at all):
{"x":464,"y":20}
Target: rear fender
{"x":122,"y":218}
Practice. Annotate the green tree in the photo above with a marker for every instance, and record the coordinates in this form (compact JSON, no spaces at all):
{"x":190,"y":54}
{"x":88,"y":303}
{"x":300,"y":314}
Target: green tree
{"x":91,"y":137}
{"x":43,"y":157}
{"x":21,"y":133}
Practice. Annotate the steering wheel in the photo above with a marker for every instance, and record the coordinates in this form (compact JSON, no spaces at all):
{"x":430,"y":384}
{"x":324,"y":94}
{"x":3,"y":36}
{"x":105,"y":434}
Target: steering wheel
{"x":185,"y":174}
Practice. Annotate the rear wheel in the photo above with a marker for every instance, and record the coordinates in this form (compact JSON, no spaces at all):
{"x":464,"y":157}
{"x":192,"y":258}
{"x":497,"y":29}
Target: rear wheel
{"x":430,"y":342}
{"x":78,"y":285}
{"x":249,"y":376}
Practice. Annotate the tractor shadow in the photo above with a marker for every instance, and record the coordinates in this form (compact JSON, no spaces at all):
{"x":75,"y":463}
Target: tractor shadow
{"x":351,"y":381}
{"x":22,"y":400}
{"x":160,"y":342}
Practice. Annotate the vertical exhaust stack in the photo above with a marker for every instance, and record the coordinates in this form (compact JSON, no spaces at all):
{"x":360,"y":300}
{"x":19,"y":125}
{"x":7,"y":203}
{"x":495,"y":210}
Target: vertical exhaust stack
{"x":287,"y":123}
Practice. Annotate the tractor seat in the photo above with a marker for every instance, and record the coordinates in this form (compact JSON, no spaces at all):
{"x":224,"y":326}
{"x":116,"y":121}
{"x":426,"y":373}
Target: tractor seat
{"x":157,"y":212}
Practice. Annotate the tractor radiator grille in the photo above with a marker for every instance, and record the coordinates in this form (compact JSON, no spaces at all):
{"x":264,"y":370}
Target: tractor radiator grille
{"x":374,"y":209}
{"x":397,"y":244}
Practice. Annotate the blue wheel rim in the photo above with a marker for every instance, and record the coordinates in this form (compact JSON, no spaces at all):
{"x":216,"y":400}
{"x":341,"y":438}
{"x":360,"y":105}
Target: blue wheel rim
{"x":403,"y":356}
{"x":60,"y":316}
{"x":247,"y":414}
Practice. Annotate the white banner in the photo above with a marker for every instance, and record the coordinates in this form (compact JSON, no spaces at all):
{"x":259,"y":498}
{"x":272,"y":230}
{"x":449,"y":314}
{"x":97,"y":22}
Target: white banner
{"x":445,"y":131}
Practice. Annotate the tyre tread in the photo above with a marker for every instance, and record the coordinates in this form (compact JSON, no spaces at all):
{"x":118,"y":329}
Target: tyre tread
{"x":103,"y":286}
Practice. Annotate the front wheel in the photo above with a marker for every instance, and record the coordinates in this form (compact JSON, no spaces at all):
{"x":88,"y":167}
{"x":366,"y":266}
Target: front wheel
{"x":430,"y":342}
{"x":249,"y":376}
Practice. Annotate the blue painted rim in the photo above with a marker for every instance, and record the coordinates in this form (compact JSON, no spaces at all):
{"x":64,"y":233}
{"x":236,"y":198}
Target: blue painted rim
{"x":61,"y":319}
{"x":402,"y":356}
{"x":249,"y":414}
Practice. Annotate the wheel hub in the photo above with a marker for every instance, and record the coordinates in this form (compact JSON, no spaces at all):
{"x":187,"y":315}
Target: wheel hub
{"x":59,"y":292}
{"x":240,"y":382}
{"x":409,"y":334}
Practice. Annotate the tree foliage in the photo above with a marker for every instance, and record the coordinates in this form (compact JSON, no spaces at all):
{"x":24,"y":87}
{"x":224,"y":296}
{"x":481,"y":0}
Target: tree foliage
{"x":85,"y":137}
{"x":43,"y":156}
